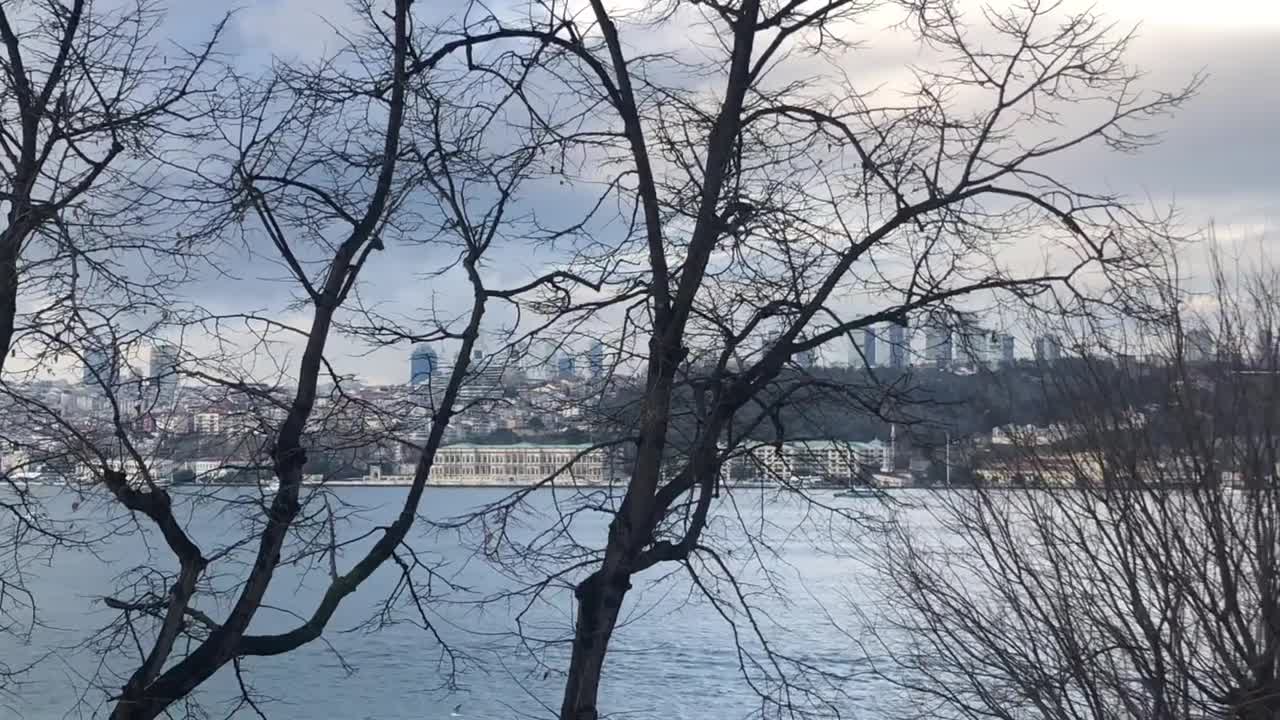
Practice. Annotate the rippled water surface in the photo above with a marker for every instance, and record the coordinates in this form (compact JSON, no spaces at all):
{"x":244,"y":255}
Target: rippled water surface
{"x":674,"y":658}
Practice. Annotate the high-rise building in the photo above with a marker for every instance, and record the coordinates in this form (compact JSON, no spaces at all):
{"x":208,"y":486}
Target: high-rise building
{"x":1199,"y":345}
{"x":423,"y":364}
{"x":1007,"y":347}
{"x":937,"y":346}
{"x":595,"y":360}
{"x":101,"y":365}
{"x":865,"y":348}
{"x":164,"y":374}
{"x":972,"y":345}
{"x":1047,"y":349}
{"x":991,"y":349}
{"x":541,"y":363}
{"x":483,"y":378}
{"x":980,"y":346}
{"x":565,"y":367}
{"x":898,"y":346}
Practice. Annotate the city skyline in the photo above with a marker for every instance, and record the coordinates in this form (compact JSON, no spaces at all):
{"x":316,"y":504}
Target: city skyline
{"x":1232,"y":184}
{"x":526,"y":332}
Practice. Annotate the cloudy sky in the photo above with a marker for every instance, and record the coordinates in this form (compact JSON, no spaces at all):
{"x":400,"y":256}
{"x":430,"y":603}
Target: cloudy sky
{"x":1219,"y":161}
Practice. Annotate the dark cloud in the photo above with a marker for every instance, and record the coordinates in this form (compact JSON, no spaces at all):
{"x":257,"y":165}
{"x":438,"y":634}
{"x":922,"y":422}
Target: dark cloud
{"x":1218,"y":159}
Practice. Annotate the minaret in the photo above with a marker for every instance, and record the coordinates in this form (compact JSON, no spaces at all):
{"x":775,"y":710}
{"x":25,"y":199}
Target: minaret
{"x":888,"y":465}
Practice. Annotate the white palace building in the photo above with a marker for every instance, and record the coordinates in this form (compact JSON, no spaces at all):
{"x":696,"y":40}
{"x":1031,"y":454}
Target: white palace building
{"x":517,"y":465}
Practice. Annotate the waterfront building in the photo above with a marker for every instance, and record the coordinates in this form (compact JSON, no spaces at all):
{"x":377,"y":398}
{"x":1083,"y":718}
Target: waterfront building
{"x":519,"y":464}
{"x":829,"y":460}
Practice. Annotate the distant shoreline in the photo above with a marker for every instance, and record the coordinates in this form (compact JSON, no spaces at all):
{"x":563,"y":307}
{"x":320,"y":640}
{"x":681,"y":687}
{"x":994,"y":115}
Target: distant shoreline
{"x":361,"y":483}
{"x":508,"y":486}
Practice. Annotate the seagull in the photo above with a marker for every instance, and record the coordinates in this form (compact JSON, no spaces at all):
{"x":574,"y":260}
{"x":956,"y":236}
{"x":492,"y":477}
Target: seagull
{"x":457,"y":711}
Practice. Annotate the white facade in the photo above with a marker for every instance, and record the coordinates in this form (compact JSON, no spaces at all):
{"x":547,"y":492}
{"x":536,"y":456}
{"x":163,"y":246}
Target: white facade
{"x":518,"y":465}
{"x":825,"y":459}
{"x":206,"y":423}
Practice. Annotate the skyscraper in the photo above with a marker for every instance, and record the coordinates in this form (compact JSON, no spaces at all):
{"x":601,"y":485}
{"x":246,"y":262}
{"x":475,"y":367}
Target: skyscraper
{"x":991,"y":349}
{"x":483,"y":378}
{"x":1047,"y":349}
{"x":1007,"y":347}
{"x":422,"y":364}
{"x":898,"y":346}
{"x":937,"y":346}
{"x":163,"y":373}
{"x":565,"y":367}
{"x":595,"y":360}
{"x":101,"y":365}
{"x":972,"y":345}
{"x":541,"y":362}
{"x":865,"y":348}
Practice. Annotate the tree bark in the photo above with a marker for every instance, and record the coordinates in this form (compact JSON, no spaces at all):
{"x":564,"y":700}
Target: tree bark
{"x":600,"y":599}
{"x":8,"y":291}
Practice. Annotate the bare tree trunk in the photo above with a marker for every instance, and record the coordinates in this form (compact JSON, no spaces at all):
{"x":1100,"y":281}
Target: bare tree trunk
{"x":600,"y":599}
{"x":8,"y":291}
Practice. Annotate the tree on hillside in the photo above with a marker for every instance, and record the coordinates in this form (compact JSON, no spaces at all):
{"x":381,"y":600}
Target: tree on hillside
{"x":1150,"y":590}
{"x":767,"y":203}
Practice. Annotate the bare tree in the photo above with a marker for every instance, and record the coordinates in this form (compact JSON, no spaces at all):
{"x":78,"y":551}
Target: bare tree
{"x":88,"y":100}
{"x":767,"y":205}
{"x":90,"y":106}
{"x":284,"y":158}
{"x":315,"y":169}
{"x":1143,"y":582}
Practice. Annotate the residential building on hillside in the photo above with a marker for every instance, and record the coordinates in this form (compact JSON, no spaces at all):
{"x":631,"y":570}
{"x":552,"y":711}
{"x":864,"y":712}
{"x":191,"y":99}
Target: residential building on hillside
{"x":206,"y":423}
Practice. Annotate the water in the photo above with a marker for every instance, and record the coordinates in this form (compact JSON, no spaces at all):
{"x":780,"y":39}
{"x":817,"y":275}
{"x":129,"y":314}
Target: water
{"x":673,"y":658}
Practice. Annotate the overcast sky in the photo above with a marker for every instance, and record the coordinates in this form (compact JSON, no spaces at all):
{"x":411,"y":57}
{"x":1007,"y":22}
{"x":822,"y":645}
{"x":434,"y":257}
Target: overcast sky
{"x":1219,"y":160}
